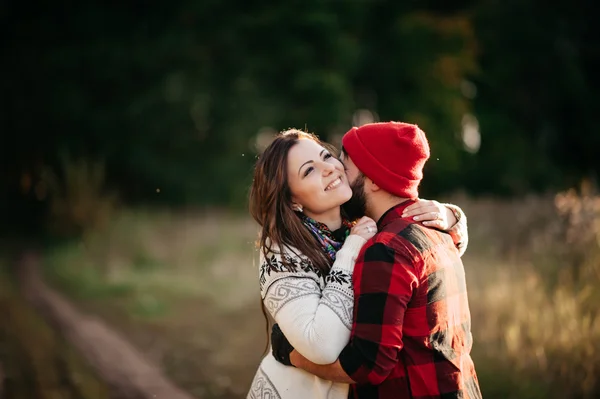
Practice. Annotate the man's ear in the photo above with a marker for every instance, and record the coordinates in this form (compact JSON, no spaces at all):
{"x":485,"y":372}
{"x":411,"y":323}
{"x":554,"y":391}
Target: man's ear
{"x":371,"y":186}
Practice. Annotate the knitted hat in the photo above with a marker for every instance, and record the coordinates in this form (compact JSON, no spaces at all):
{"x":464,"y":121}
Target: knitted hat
{"x":392,"y":154}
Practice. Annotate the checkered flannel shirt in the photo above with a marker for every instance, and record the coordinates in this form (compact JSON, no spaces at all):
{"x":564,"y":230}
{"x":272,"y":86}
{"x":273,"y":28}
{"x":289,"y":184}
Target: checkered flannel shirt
{"x":411,"y":334}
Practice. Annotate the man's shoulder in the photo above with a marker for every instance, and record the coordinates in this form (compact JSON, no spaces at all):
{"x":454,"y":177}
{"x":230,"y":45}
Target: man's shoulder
{"x":404,"y":235}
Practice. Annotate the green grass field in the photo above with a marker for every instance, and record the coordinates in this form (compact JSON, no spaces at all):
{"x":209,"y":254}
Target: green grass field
{"x":183,"y":287}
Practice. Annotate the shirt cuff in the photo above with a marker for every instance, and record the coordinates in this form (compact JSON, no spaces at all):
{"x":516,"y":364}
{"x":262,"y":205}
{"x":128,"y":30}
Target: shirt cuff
{"x":455,"y":231}
{"x":349,"y":362}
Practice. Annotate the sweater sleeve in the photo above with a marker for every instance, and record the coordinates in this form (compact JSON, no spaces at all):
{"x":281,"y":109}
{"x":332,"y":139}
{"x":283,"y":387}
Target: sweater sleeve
{"x":316,"y":322}
{"x":459,"y":232}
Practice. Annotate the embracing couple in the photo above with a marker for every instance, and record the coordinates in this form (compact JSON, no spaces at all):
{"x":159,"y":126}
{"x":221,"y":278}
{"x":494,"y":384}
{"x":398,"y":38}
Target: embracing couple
{"x":363,"y":280}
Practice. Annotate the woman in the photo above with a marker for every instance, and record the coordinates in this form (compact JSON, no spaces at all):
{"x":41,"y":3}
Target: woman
{"x":307,"y":257}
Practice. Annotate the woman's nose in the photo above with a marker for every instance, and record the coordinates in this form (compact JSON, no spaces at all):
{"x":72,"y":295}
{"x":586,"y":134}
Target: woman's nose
{"x":328,"y":168}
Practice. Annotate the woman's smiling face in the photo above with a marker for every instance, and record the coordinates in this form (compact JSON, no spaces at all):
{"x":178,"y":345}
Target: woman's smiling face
{"x":316,"y":179}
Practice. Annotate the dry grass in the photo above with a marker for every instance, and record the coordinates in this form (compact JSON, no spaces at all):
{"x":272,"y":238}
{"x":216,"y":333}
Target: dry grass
{"x":183,"y":287}
{"x":534,"y":275}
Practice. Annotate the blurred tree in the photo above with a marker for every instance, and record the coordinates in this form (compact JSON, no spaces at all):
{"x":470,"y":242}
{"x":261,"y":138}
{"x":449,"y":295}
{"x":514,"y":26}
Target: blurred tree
{"x":170,"y":96}
{"x":414,"y":63}
{"x":537,"y":96}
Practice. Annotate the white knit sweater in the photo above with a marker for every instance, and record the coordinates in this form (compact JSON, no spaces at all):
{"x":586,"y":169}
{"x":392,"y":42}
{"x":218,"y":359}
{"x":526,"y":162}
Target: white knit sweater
{"x":315,"y":314}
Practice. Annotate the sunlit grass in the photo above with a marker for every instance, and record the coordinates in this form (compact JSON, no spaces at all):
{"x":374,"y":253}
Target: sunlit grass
{"x":190,"y":279}
{"x":535,"y":301}
{"x":151,"y":258}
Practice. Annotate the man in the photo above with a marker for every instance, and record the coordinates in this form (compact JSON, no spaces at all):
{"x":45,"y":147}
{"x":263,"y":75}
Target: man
{"x":411,"y":334}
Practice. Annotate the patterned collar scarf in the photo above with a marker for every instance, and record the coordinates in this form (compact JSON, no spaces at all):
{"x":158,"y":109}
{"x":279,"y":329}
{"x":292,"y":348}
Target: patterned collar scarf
{"x":331,"y":241}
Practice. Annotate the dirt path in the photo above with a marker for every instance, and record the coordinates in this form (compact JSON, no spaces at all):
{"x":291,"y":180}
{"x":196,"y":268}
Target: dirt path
{"x":36,"y":360}
{"x":211,"y":354}
{"x":128,"y":372}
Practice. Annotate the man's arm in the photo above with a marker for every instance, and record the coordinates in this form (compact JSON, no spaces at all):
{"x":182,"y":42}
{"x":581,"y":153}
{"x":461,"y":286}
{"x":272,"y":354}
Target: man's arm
{"x":331,"y":372}
{"x":384,"y":281}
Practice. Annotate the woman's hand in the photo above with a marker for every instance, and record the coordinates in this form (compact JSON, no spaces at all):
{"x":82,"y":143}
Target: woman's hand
{"x":431,"y":214}
{"x":365,"y":227}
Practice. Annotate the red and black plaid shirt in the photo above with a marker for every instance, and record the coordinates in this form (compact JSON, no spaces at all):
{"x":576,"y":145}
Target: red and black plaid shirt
{"x":411,"y":335}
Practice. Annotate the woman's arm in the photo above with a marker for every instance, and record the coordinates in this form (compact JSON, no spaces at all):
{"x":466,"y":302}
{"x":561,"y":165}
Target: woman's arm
{"x":459,"y":231}
{"x":446,"y":217}
{"x":316,"y":323}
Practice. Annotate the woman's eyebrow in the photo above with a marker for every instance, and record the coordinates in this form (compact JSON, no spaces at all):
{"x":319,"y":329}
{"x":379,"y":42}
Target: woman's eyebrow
{"x":301,"y":166}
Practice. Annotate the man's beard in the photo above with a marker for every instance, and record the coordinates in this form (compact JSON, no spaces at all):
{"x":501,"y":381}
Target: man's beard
{"x":356,"y":207}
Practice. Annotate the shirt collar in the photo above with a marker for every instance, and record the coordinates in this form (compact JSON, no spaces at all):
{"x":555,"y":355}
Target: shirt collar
{"x":393,"y":213}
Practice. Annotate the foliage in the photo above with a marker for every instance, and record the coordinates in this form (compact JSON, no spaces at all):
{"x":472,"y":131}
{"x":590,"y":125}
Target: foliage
{"x":537,"y":96}
{"x":78,"y":201}
{"x":172,"y":100}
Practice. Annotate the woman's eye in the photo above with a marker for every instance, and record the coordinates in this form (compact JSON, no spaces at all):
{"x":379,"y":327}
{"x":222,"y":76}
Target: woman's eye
{"x":308,"y":170}
{"x":327,"y":156}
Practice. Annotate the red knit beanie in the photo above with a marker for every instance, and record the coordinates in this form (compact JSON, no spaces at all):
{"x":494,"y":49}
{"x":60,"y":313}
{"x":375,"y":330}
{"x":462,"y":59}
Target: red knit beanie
{"x":392,"y":154}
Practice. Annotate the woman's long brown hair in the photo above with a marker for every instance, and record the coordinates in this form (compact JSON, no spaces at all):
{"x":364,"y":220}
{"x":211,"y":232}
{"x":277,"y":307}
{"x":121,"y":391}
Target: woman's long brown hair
{"x":271,"y":207}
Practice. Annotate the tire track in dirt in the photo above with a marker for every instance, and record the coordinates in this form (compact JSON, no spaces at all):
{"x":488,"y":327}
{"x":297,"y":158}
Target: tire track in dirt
{"x":128,"y":372}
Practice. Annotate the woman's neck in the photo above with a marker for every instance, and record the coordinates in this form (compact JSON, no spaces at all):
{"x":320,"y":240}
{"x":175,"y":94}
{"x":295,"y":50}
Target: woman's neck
{"x":333,"y":219}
